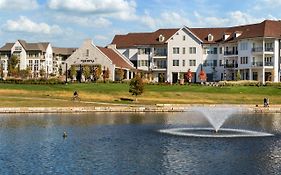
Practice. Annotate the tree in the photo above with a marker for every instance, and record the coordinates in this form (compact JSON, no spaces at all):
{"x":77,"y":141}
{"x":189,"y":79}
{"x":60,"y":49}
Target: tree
{"x":12,"y":65}
{"x":238,"y":75}
{"x":189,"y":76}
{"x":86,"y":72}
{"x":202,"y":75}
{"x":25,"y":73}
{"x":42,"y":72}
{"x":105,"y":74}
{"x":60,"y":70}
{"x":73,"y":72}
{"x":120,"y":74}
{"x":97,"y":72}
{"x":136,"y":86}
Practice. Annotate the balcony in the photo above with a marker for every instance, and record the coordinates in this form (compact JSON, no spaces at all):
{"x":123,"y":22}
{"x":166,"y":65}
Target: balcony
{"x":268,"y":63}
{"x":269,"y":49}
{"x":160,"y":54}
{"x":257,"y":64}
{"x":260,"y":64}
{"x":231,"y":65}
{"x":260,"y":49}
{"x":234,"y":52}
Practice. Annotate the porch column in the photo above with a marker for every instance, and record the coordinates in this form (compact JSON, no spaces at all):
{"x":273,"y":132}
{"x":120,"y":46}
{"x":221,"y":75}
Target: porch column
{"x":263,"y":75}
{"x":263,"y":55}
{"x":127,"y":76}
{"x":250,"y":74}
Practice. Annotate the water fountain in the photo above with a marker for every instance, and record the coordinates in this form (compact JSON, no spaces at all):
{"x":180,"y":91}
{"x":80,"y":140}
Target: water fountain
{"x":216,"y":117}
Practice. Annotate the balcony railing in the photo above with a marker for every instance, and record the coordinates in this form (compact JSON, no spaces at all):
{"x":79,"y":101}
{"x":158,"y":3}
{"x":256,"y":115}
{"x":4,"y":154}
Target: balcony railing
{"x":269,"y":49}
{"x":160,"y":54}
{"x":257,"y":49}
{"x":234,"y":52}
{"x":260,"y":64}
{"x":260,"y":49}
{"x":257,"y":64}
{"x":231,"y":65}
{"x":268,"y":63}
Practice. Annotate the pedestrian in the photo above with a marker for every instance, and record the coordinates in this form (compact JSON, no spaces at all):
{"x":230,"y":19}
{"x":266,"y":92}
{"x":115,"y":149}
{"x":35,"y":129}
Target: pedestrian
{"x":265,"y":102}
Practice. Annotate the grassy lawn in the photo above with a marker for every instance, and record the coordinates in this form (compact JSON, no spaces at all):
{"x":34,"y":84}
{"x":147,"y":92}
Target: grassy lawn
{"x":15,"y":95}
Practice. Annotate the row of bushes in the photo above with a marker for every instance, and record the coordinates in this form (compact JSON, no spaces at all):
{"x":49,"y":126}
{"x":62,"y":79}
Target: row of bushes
{"x":248,"y":83}
{"x":33,"y":81}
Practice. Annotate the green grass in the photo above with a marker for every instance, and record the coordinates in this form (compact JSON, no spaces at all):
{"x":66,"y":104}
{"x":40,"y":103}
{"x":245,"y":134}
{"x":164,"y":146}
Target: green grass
{"x":153,"y":94}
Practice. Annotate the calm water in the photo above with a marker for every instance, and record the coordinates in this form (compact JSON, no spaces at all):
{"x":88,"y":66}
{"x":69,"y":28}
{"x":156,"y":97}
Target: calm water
{"x":125,"y":143}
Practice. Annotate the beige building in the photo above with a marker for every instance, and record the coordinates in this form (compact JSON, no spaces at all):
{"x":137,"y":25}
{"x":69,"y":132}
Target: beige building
{"x":107,"y":57}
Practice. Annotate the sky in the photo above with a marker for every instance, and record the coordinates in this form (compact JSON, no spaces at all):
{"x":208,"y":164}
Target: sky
{"x":66,"y":23}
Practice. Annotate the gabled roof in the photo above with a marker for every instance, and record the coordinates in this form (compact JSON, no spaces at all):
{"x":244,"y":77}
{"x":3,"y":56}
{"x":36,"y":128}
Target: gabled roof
{"x":42,"y":46}
{"x":7,"y":47}
{"x":267,"y":28}
{"x":139,"y":39}
{"x":115,"y":58}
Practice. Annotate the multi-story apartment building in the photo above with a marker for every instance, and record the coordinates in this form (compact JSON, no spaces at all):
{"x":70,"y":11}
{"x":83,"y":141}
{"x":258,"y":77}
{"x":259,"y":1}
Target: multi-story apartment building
{"x":59,"y":56}
{"x":253,"y":50}
{"x":34,"y":55}
{"x":37,"y":56}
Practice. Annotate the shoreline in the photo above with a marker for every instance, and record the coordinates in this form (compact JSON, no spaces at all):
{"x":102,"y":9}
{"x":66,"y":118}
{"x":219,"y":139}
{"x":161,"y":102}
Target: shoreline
{"x":144,"y":108}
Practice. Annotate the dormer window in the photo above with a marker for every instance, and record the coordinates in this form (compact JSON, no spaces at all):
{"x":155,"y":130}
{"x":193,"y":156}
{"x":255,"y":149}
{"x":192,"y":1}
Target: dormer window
{"x":210,"y":37}
{"x":226,"y":36}
{"x":237,"y":34}
{"x":161,"y":38}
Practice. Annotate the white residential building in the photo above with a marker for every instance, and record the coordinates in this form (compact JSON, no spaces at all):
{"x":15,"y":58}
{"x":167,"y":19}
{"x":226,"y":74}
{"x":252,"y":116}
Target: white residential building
{"x":34,"y":55}
{"x":253,"y":49}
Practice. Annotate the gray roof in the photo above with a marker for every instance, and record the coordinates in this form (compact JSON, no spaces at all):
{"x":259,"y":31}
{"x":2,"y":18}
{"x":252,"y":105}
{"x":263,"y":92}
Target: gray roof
{"x":7,"y":47}
{"x":63,"y":51}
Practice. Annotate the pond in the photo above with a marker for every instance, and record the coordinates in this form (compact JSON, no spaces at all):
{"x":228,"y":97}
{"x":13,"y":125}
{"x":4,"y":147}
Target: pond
{"x":130,"y":143}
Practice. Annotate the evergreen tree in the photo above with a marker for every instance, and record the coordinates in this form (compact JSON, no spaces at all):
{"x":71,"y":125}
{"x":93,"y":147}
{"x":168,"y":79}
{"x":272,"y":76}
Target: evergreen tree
{"x":136,"y":86}
{"x":238,"y":75}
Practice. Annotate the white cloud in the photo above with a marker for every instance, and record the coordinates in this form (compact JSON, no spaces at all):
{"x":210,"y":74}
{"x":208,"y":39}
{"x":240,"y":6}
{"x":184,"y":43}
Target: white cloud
{"x":122,"y":9}
{"x":24,"y":24}
{"x":166,"y":19}
{"x":101,"y":37}
{"x":231,"y":19}
{"x":18,"y":4}
{"x":87,"y":21}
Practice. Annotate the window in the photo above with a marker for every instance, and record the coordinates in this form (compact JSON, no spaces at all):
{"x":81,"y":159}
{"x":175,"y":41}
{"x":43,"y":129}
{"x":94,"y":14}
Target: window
{"x":36,"y":65}
{"x":215,"y":50}
{"x":176,"y":62}
{"x":143,"y":62}
{"x":215,"y":63}
{"x":183,"y":50}
{"x":30,"y":64}
{"x":143,"y":51}
{"x":220,"y":62}
{"x":192,"y":50}
{"x":244,"y":46}
{"x":243,"y":60}
{"x":87,"y":53}
{"x":210,"y":50}
{"x":183,"y":63}
{"x":192,"y":62}
{"x":183,"y":37}
{"x":267,"y":59}
{"x":220,"y":50}
{"x":176,"y":50}
{"x":210,"y":37}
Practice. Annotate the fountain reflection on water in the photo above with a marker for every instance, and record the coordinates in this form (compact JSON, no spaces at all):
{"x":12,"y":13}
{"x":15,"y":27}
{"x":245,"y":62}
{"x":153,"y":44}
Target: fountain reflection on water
{"x":216,"y":116}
